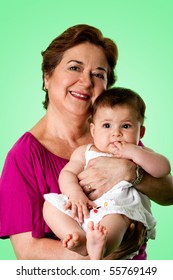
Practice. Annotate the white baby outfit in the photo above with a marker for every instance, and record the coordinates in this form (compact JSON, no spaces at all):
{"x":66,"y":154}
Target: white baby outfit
{"x":123,"y":198}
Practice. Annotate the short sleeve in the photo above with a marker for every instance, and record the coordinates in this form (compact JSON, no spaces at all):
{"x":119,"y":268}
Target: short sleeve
{"x":15,"y":206}
{"x":29,"y":172}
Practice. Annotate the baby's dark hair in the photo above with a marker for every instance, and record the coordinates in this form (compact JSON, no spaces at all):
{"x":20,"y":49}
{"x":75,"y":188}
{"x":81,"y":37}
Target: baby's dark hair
{"x":120,"y":96}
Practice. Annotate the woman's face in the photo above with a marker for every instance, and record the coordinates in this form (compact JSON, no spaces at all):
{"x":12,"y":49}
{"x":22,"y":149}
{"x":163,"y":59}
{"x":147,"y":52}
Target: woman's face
{"x":78,"y":79}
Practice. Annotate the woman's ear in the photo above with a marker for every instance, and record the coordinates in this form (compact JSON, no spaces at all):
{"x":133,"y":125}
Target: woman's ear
{"x":46,"y":78}
{"x":142,"y":131}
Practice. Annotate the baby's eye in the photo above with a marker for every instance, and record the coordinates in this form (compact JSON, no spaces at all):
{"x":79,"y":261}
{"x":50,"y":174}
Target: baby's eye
{"x":126,"y":125}
{"x":106,"y":125}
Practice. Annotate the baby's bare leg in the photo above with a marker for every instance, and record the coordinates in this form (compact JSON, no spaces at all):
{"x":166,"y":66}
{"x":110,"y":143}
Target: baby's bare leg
{"x":96,"y":239}
{"x":116,"y":225}
{"x":65,"y":228}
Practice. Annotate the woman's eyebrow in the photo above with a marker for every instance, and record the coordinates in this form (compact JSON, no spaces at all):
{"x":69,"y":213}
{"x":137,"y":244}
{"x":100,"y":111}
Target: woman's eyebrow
{"x":101,"y":68}
{"x":74,"y":60}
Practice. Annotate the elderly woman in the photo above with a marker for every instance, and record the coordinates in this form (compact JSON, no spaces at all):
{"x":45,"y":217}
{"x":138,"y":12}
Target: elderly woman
{"x":77,"y":66}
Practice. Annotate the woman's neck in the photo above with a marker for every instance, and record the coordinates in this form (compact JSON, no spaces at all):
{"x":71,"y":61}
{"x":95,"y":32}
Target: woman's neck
{"x":62,"y":136}
{"x":67,"y":127}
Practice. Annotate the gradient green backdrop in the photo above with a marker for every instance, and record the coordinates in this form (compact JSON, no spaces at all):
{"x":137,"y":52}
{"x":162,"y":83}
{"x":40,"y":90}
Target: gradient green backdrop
{"x":143,"y":31}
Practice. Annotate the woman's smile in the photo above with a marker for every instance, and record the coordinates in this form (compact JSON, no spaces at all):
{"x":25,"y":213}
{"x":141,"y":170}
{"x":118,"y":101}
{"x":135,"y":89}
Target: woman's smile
{"x":79,"y":95}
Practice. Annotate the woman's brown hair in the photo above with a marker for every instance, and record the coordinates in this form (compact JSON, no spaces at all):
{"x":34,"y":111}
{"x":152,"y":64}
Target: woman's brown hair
{"x":71,"y":37}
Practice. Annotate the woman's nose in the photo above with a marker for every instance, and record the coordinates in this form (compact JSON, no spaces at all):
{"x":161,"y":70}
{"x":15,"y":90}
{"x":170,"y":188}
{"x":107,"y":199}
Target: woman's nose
{"x":86,"y":79}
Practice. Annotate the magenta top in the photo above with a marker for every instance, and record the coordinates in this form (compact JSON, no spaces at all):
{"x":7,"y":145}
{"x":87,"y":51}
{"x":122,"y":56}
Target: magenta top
{"x":29,"y":172}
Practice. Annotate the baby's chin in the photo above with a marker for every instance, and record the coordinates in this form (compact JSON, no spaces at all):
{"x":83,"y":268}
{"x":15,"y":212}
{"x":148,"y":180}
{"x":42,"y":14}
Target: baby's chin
{"x":113,"y":151}
{"x":113,"y":146}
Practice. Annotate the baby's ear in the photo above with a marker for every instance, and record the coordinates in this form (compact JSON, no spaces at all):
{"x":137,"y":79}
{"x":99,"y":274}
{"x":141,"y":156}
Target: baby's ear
{"x":142,"y":131}
{"x":92,"y":129}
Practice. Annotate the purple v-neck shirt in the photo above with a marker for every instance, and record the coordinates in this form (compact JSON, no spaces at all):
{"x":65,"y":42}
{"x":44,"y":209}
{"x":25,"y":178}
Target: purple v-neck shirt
{"x":30,"y":171}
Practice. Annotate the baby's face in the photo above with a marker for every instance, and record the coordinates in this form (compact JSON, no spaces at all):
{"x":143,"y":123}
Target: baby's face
{"x":118,"y":124}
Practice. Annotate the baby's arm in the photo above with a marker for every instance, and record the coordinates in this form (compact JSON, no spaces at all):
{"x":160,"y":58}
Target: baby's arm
{"x":69,"y":185}
{"x":153,"y":163}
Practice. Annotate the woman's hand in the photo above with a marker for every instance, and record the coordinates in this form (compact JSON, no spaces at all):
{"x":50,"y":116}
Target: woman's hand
{"x":103,"y":173}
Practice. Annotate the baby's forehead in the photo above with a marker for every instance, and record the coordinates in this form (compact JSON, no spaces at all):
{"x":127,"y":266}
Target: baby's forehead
{"x":117,"y":107}
{"x":121,"y":111}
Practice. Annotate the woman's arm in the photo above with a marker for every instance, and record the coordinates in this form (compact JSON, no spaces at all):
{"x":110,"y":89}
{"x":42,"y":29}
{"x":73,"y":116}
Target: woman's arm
{"x":160,"y":190}
{"x":103,"y":173}
{"x":28,"y":248}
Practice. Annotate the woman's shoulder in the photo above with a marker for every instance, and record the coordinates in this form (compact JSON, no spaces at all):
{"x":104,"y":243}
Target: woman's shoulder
{"x":24,"y":144}
{"x":20,"y":152}
{"x":29,"y":148}
{"x":28,"y":153}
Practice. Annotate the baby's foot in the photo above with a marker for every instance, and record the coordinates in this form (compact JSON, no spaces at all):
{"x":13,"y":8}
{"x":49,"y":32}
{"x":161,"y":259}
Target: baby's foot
{"x":96,"y":236}
{"x":75,"y":242}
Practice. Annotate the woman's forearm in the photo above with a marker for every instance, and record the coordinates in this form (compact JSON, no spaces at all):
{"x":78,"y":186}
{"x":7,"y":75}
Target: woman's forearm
{"x":28,"y":248}
{"x":160,"y":190}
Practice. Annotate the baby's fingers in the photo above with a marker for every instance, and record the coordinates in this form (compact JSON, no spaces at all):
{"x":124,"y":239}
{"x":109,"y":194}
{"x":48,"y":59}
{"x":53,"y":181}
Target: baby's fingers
{"x":91,"y":204}
{"x":68,"y":205}
{"x":81,"y":213}
{"x":87,"y":208}
{"x":74,"y":210}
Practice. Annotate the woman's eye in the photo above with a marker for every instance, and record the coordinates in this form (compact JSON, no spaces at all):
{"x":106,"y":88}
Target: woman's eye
{"x":74,"y":68}
{"x":99,"y":75}
{"x":106,"y":125}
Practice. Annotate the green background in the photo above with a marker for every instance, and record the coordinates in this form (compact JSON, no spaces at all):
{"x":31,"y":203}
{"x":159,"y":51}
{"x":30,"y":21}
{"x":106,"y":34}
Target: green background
{"x":143,"y":31}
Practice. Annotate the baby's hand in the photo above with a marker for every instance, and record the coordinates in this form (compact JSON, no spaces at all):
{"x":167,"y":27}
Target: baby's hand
{"x":79,"y":204}
{"x":123,"y":150}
